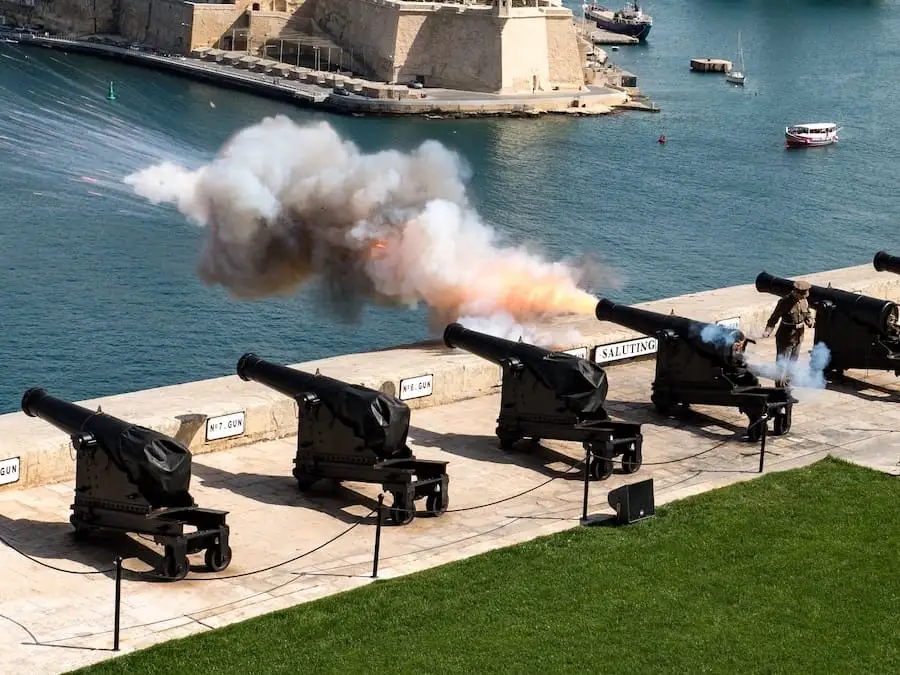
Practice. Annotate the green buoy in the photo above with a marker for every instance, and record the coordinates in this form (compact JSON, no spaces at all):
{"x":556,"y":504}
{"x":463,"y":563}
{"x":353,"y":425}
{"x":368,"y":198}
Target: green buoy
{"x":111,"y":93}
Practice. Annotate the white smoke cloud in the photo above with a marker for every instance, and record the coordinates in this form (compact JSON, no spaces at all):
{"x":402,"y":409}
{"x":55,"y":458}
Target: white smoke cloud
{"x":504,"y":326}
{"x":806,"y":375}
{"x":284,"y":203}
{"x":717,"y":335}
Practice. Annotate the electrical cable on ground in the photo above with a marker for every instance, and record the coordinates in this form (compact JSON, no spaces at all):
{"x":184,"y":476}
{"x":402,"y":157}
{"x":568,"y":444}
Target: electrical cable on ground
{"x":53,"y":567}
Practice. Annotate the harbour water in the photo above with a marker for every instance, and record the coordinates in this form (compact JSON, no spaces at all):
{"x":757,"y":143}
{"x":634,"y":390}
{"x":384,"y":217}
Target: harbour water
{"x":98,"y":288}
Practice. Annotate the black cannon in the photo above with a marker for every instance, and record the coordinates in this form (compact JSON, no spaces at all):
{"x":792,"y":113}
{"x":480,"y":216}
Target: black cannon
{"x":553,"y":395}
{"x":132,"y":479}
{"x":860,"y":331}
{"x":350,"y":432}
{"x":886,"y":263}
{"x":703,"y":363}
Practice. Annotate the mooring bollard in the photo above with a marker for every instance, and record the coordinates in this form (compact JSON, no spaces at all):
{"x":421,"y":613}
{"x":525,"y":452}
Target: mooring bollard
{"x":118,"y":603}
{"x":587,"y":478}
{"x":378,"y":536}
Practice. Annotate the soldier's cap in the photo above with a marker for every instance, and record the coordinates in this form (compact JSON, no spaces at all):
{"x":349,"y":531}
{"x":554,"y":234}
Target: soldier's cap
{"x":802,"y":286}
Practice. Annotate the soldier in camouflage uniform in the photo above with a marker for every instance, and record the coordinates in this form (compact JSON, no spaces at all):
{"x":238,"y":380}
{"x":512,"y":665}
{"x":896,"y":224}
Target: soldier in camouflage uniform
{"x":793,"y":312}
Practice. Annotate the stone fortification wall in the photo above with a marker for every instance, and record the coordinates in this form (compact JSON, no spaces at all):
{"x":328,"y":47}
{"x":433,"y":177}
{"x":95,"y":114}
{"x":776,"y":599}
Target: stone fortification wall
{"x":448,"y":49}
{"x":45,"y":454}
{"x":566,"y":55}
{"x":368,"y":30}
{"x":471,"y":47}
{"x":212,"y":23}
{"x":78,"y":17}
{"x":165,"y":24}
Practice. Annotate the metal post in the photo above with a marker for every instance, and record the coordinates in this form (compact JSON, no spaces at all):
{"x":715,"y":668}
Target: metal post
{"x":118,"y":603}
{"x":587,"y":478}
{"x":762,"y":444}
{"x":378,"y":536}
{"x":329,"y":59}
{"x":342,"y":59}
{"x":281,"y":53}
{"x":298,"y":54}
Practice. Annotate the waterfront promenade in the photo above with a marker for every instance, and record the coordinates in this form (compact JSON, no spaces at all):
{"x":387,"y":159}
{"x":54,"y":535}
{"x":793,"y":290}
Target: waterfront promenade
{"x":279,"y":81}
{"x":58,"y":620}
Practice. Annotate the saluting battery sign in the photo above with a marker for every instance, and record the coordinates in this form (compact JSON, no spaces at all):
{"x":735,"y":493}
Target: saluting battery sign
{"x":416,"y":387}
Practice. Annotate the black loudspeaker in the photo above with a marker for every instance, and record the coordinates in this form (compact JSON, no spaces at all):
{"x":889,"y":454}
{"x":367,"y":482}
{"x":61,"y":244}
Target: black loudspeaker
{"x":633,"y":502}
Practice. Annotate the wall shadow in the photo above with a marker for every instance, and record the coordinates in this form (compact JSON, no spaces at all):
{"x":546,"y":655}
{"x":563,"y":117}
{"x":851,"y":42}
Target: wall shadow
{"x":55,"y":543}
{"x":481,"y":448}
{"x":857,"y":387}
{"x":325,"y":496}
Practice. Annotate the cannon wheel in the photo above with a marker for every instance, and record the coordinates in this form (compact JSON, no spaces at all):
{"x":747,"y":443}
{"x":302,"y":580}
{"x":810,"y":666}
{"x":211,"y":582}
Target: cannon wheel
{"x":436,"y":503}
{"x":601,"y":468}
{"x":754,"y":430}
{"x":632,"y":460}
{"x":402,"y":513}
{"x":216,"y":560}
{"x":782,"y":423}
{"x":662,"y":404}
{"x":304,"y":480}
{"x":171,"y":569}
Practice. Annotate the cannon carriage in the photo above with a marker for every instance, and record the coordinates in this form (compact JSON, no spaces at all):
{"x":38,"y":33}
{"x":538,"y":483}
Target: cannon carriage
{"x":348,"y":432}
{"x":704,"y":364}
{"x":132,"y":479}
{"x":554,"y":395}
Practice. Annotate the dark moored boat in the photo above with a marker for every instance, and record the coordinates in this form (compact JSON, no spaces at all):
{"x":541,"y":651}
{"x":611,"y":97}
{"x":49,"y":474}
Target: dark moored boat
{"x":631,"y":20}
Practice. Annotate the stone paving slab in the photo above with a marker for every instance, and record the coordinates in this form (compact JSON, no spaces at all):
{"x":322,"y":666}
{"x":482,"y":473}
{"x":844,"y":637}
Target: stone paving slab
{"x":51,"y":621}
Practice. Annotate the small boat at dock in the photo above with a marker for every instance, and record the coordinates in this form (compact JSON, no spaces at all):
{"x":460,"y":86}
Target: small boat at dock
{"x":630,"y":20}
{"x":811,"y":135}
{"x":737,"y":76}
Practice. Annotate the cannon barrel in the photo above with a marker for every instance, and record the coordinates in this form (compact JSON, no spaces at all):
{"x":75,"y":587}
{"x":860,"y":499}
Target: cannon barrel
{"x":723,"y":343}
{"x":580,"y":384}
{"x":380,"y":422}
{"x":645,"y":321}
{"x":156,"y":463}
{"x":886,"y":263}
{"x":64,"y":415}
{"x":874,"y":312}
{"x":489,"y":347}
{"x":288,"y":381}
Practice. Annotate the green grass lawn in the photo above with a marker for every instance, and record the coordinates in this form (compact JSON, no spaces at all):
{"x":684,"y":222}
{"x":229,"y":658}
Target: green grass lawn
{"x":797,"y":572}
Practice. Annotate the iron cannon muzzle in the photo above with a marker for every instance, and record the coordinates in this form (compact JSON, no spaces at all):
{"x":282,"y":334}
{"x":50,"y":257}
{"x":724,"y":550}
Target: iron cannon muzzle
{"x":289,"y":381}
{"x":245,"y":365}
{"x":769,"y":283}
{"x":66,"y":416}
{"x":883,"y":262}
{"x":32,"y":398}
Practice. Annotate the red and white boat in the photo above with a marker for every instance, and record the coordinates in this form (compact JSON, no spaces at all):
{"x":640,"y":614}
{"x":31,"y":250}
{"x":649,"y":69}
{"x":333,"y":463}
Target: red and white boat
{"x":811,"y":135}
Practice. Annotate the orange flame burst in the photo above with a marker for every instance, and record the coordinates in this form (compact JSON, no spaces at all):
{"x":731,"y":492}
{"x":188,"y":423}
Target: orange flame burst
{"x":515,"y":288}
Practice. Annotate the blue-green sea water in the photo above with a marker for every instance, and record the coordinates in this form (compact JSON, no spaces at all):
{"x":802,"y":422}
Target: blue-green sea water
{"x":98,"y":288}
